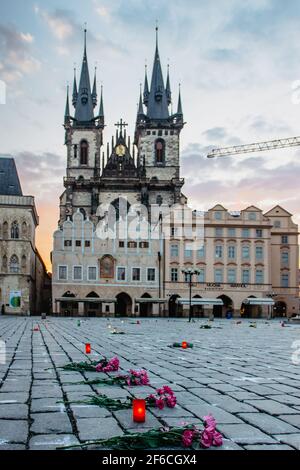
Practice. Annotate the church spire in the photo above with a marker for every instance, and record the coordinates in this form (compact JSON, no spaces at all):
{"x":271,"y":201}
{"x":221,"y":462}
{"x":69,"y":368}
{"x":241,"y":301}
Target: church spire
{"x":101,"y":109}
{"x":158,"y":101}
{"x":179,"y":108}
{"x":168,"y":87}
{"x":146,"y":88}
{"x":140,"y":113}
{"x":67,"y":110}
{"x":75,"y":92}
{"x":94,"y":94}
{"x":84,"y":114}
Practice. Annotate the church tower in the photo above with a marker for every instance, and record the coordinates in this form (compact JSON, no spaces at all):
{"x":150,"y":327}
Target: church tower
{"x":158,"y":136}
{"x":84,"y":139}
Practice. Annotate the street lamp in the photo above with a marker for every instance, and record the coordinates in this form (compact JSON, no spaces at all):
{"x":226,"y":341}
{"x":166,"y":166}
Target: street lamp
{"x":189,"y":273}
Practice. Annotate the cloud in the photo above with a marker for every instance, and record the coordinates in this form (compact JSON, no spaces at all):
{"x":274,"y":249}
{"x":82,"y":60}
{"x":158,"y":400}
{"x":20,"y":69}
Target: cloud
{"x":60,"y":22}
{"x":15,"y":51}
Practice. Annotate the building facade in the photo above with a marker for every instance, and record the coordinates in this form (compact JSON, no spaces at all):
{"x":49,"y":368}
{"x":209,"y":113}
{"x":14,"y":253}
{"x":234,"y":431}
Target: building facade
{"x":23,"y":275}
{"x":104,"y":266}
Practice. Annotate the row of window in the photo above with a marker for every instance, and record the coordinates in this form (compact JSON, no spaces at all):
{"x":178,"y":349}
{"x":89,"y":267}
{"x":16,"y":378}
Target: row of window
{"x":230,"y":232}
{"x":122,"y":244}
{"x":253,"y":216}
{"x":13,"y":266}
{"x":220,"y":278}
{"x":14,"y":230}
{"x":121,"y":273}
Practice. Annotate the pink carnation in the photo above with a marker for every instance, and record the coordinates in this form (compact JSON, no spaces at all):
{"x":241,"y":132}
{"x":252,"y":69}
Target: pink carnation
{"x":206,"y":439}
{"x":167,"y":390}
{"x":160,"y":403}
{"x":187,"y":438}
{"x":217,"y":439}
{"x":171,"y":401}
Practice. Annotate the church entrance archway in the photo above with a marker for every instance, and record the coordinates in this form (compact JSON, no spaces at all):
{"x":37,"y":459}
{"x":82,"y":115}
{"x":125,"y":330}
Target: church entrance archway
{"x":92,"y":309}
{"x":147,"y":307}
{"x":123,"y":305}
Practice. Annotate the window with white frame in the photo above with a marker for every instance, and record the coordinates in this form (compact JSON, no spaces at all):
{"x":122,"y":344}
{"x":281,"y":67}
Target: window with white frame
{"x":188,"y":252}
{"x":259,"y":276}
{"x":259,"y":252}
{"x":231,"y":252}
{"x":201,"y":252}
{"x":201,"y":275}
{"x":285,"y":258}
{"x":136,"y":274}
{"x":246,"y":252}
{"x":285,"y":280}
{"x":121,"y":273}
{"x":252,"y":215}
{"x":218,"y":215}
{"x":62,"y":273}
{"x":219,"y":251}
{"x":277,"y":224}
{"x":246,"y":276}
{"x":77,"y":273}
{"x":259,"y":233}
{"x":246,"y":232}
{"x":284,"y":239}
{"x":231,"y":232}
{"x":150,"y":274}
{"x":92,"y":273}
{"x":174,"y":274}
{"x":218,"y":275}
{"x":174,"y":251}
{"x":231,"y":275}
{"x":219,"y":232}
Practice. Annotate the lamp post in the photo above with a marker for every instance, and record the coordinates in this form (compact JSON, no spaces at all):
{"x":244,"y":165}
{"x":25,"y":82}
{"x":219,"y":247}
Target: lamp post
{"x":189,"y":273}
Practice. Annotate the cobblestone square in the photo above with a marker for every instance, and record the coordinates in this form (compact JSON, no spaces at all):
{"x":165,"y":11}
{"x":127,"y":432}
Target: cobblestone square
{"x":244,"y":376}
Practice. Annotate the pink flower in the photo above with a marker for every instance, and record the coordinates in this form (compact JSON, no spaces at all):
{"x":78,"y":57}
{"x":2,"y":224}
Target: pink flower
{"x":187,"y":438}
{"x":206,"y":439}
{"x":167,"y":390}
{"x":209,"y":421}
{"x":160,"y":391}
{"x":171,"y":401}
{"x":99,"y":367}
{"x":217,"y":439}
{"x":160,"y":403}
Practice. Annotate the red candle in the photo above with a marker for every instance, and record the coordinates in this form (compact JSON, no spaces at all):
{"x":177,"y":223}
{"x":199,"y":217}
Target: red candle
{"x":184,"y":345}
{"x":139,"y":410}
{"x":88,"y":348}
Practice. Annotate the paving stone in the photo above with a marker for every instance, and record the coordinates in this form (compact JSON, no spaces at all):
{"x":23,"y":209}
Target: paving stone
{"x":244,"y":434}
{"x":220,"y":415}
{"x":94,"y":428}
{"x":52,"y":441}
{"x":51,"y":423}
{"x":4,"y":446}
{"x":89,"y":411}
{"x":269,"y":447}
{"x":267,"y":423}
{"x":43,"y":405}
{"x":13,"y":431}
{"x":294,"y":420}
{"x":291,"y":439}
{"x":13,"y":411}
{"x":272,"y":407}
{"x":125,"y":419}
{"x":13,"y":397}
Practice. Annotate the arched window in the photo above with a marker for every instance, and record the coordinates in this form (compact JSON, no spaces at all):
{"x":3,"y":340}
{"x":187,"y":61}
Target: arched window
{"x":23,"y":264}
{"x":5,"y":231}
{"x":15,"y":230}
{"x":84,"y":150}
{"x":14,"y":266}
{"x":4,"y":263}
{"x":83,"y":213}
{"x":159,"y":200}
{"x":160,"y":151}
{"x":24,"y":229}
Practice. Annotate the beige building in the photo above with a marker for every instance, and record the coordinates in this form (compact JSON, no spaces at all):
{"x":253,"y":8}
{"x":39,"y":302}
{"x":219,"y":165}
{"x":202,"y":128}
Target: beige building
{"x":23,"y":275}
{"x":100,"y":269}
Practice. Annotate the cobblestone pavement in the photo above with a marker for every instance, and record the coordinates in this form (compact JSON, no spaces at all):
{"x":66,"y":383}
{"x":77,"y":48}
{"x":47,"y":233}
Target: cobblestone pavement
{"x":244,"y":376}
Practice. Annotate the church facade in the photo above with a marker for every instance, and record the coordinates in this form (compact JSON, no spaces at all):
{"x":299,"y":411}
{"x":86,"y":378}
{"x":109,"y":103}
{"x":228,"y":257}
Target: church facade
{"x":110,"y":254}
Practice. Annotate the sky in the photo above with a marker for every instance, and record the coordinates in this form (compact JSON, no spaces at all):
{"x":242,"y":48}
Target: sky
{"x":239,"y":68}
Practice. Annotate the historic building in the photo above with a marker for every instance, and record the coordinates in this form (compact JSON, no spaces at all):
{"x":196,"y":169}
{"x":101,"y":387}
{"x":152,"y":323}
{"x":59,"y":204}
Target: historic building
{"x":24,"y":282}
{"x":100,"y":269}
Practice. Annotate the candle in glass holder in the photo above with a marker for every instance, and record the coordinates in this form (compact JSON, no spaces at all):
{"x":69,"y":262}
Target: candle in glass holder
{"x":139,"y":410}
{"x":184,"y":345}
{"x":88,"y":348}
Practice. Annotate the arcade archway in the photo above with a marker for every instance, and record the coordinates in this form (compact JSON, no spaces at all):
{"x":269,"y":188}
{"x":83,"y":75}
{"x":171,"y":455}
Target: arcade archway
{"x":123,"y":305}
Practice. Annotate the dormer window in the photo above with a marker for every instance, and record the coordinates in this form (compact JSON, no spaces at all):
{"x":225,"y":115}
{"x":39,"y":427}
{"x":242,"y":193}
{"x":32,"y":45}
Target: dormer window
{"x":160,"y":152}
{"x":84,"y":150}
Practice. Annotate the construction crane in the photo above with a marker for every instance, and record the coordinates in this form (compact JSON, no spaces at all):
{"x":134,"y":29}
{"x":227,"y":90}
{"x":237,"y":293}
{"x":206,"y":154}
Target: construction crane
{"x":256,"y":147}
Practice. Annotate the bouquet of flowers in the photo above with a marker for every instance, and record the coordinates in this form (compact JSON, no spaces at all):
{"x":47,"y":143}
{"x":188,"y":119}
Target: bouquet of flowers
{"x":103,"y":365}
{"x":134,"y":378}
{"x":188,"y":436}
{"x":164,"y":397}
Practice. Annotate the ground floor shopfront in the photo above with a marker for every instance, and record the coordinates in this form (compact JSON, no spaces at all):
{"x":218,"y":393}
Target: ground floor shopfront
{"x":139,"y":302}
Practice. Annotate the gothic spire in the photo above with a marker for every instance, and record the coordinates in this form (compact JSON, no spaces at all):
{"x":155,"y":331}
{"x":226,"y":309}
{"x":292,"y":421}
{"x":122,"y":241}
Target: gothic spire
{"x":94,"y":94}
{"x":67,"y":110}
{"x":84,"y":113}
{"x":101,"y":109}
{"x":140,"y":113}
{"x":75,"y":92}
{"x":168,"y":87}
{"x":158,"y":101}
{"x":179,"y":108}
{"x":146,"y":88}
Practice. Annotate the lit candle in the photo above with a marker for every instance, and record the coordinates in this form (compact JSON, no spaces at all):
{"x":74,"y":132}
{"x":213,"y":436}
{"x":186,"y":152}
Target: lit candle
{"x":88,"y":348}
{"x":139,"y":410}
{"x":184,"y":345}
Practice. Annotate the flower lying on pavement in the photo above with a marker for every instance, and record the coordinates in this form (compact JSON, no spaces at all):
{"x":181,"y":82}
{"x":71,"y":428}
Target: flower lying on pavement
{"x":108,"y":366}
{"x":164,"y":397}
{"x":207,"y":438}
